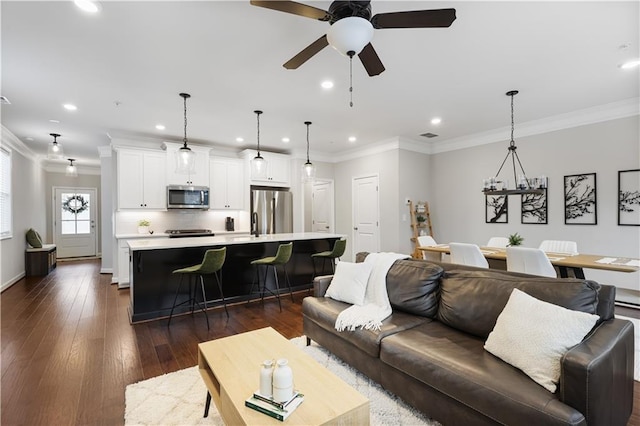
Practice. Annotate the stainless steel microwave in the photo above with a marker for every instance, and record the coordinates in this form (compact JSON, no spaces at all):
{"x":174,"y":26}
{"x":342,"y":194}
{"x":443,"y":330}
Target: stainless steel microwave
{"x":187,"y":197}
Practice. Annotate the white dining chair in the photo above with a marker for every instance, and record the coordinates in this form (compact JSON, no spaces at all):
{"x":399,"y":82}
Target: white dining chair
{"x":425,"y":241}
{"x":529,"y":261}
{"x":559,"y":246}
{"x":467,"y":254}
{"x":498,"y":242}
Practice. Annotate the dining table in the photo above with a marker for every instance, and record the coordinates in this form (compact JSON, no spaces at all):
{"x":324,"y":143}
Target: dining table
{"x":576,"y":262}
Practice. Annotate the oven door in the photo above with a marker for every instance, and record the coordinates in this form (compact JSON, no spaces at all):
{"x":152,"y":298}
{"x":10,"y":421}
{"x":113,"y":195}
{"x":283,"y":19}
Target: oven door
{"x":187,"y":197}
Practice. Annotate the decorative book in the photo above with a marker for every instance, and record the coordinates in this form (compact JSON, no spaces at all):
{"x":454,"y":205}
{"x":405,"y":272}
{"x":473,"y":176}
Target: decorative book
{"x":277,"y":410}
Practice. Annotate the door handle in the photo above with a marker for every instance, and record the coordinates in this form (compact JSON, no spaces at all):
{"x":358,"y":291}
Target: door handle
{"x":327,"y":227}
{"x":355,"y":228}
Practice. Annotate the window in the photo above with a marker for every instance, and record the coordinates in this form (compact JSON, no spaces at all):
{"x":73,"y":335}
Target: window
{"x":5,"y":194}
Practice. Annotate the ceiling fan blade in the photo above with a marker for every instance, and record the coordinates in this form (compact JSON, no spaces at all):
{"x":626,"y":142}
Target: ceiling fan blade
{"x":371,"y":61}
{"x":415,"y":19}
{"x":307,"y":53}
{"x":294,"y":8}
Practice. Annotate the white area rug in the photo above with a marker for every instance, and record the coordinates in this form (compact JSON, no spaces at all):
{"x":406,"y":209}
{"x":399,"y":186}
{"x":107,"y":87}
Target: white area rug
{"x":636,"y":330}
{"x":178,"y":398}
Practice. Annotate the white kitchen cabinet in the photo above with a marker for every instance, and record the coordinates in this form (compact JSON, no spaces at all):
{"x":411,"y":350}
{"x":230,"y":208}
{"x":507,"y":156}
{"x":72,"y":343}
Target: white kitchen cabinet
{"x":278,"y":171}
{"x":123,"y":264}
{"x":141,"y":179}
{"x":200,"y":177}
{"x":226,"y":189}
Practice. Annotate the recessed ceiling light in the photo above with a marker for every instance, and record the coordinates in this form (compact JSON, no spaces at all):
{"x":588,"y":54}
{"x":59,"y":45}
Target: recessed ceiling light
{"x":239,"y":139}
{"x":630,"y":64}
{"x":70,"y":107}
{"x":160,"y":126}
{"x":352,"y":139}
{"x":54,"y":121}
{"x":436,"y":120}
{"x":327,"y":84}
{"x":285,"y":140}
{"x":88,"y":5}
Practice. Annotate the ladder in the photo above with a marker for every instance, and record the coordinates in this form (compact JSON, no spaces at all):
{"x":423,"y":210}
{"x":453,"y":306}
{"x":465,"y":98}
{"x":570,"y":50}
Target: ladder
{"x":420,"y":224}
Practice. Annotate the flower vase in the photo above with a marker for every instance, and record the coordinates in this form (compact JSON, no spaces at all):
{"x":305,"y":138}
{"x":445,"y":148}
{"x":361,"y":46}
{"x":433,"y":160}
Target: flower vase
{"x":282,"y":381}
{"x":266,"y":377}
{"x":143,"y":229}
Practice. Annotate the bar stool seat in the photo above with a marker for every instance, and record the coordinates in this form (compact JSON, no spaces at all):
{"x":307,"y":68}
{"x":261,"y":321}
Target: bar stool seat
{"x":211,"y":265}
{"x":336,"y":253}
{"x":281,"y":258}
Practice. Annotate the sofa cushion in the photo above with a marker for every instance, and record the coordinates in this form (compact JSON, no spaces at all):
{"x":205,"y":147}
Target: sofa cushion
{"x":324,"y":311}
{"x":456,"y":364}
{"x":349,"y":282}
{"x":472,"y":300}
{"x":413,"y":286}
{"x":533,"y":336}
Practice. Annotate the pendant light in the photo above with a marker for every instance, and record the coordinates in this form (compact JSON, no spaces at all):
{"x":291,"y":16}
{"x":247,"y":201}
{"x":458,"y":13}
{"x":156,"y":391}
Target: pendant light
{"x":523,"y":185}
{"x":258,"y":164}
{"x":54,"y":152}
{"x":185,"y":157}
{"x":308,"y":169}
{"x":72,"y":170}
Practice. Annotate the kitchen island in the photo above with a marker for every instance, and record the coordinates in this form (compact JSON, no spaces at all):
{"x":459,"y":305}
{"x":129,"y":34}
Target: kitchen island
{"x":152,"y":260}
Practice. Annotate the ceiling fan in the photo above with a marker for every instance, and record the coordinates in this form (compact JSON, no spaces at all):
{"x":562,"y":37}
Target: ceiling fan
{"x":352,"y":27}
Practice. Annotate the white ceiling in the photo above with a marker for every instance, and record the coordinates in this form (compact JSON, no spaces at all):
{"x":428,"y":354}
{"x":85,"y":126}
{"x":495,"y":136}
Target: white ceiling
{"x":125,"y":66}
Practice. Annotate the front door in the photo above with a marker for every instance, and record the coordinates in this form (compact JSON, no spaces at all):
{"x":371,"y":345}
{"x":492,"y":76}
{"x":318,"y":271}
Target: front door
{"x":366,"y":231}
{"x":322,"y":207}
{"x":75,"y":221}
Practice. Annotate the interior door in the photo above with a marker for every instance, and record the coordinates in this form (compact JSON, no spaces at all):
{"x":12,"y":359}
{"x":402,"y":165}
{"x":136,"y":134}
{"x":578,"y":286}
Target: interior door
{"x":366,"y":230}
{"x":75,"y":221}
{"x":322,"y":207}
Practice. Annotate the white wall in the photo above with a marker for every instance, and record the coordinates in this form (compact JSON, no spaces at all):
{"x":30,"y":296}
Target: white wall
{"x":28,"y":208}
{"x":413,"y":184}
{"x":457,"y":203}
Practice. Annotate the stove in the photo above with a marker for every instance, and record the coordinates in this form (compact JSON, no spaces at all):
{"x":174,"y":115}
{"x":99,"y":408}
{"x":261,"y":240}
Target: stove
{"x":177,"y":233}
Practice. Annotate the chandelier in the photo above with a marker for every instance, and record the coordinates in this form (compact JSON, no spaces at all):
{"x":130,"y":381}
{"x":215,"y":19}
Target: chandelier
{"x":523,"y":185}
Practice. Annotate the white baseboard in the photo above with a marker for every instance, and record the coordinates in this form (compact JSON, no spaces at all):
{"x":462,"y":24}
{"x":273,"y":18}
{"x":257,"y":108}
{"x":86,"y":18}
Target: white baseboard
{"x":12,"y":281}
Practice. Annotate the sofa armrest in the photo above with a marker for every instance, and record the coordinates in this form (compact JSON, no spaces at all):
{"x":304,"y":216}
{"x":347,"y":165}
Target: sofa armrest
{"x":596,"y":376}
{"x":321,"y":284}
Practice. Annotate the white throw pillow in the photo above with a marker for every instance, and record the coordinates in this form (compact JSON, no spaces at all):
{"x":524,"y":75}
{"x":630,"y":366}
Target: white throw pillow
{"x":349,"y":282}
{"x":533,"y":336}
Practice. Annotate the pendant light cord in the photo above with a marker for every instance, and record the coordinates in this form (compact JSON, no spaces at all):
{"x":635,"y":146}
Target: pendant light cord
{"x":258,"y":120}
{"x":307,"y":123}
{"x":512,"y":143}
{"x":185,"y":122}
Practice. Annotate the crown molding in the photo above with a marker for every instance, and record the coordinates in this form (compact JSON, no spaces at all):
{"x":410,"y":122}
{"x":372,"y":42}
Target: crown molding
{"x":12,"y":141}
{"x":104,"y":151}
{"x":612,"y":111}
{"x":51,"y":167}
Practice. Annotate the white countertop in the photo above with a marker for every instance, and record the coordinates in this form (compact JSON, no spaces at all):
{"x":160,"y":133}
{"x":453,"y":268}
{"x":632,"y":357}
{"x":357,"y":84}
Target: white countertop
{"x":222,"y":240}
{"x":165,"y":235}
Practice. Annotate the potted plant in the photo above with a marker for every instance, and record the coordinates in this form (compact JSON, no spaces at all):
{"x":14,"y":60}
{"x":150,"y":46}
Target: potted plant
{"x":143,"y":226}
{"x":515,"y":239}
{"x":421,"y":220}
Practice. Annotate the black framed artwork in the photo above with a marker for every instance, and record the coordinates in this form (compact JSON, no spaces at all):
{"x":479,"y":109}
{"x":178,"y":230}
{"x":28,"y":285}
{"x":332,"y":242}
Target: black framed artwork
{"x":496,"y":209}
{"x":629,"y":197}
{"x":534,"y":208}
{"x":580,"y":202}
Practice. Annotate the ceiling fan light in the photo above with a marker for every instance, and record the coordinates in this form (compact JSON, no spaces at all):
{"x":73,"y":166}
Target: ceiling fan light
{"x":350,"y":34}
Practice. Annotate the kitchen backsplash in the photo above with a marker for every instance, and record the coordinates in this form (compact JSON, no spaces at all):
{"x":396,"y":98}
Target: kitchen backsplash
{"x":127,"y":222}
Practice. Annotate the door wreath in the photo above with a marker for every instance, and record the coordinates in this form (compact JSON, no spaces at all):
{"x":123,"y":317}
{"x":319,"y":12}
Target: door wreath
{"x":75,"y":204}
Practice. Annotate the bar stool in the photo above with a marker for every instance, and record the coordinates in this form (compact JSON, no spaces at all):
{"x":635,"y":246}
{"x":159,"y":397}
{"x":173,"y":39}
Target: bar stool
{"x":281,"y":258}
{"x":211,"y":264}
{"x":336,"y":253}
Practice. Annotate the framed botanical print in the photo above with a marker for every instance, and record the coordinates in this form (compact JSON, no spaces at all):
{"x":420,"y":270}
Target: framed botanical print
{"x":580,"y":207}
{"x":534,"y":208}
{"x":496,"y":209}
{"x":629,"y":197}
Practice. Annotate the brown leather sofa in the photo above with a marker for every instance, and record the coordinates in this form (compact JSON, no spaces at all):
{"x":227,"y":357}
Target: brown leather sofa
{"x":430,"y":350}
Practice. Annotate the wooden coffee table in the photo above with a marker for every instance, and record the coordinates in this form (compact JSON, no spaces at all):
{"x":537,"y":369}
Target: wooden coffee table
{"x":230,"y":367}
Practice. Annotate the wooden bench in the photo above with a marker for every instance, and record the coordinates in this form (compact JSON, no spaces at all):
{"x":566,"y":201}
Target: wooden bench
{"x":40,"y":261}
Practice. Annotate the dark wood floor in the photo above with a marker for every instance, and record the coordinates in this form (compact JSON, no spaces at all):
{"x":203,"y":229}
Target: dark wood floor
{"x":68,"y":350}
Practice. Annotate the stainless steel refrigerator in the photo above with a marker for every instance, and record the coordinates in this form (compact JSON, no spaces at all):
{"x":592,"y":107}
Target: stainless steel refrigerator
{"x":271,"y":211}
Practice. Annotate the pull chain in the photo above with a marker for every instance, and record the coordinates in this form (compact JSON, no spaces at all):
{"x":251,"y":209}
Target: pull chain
{"x":351,"y":53}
